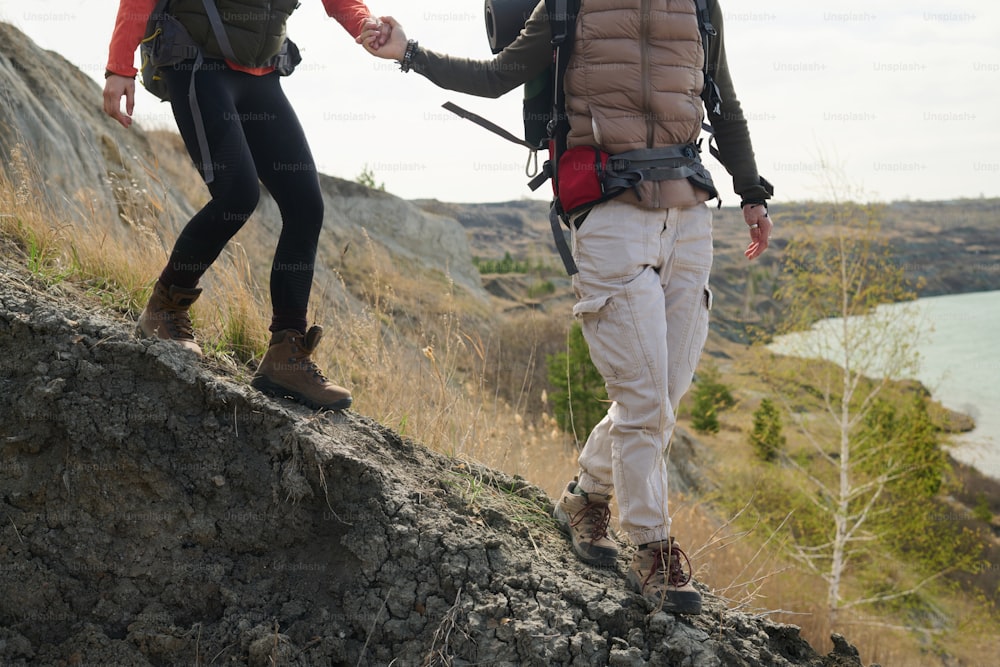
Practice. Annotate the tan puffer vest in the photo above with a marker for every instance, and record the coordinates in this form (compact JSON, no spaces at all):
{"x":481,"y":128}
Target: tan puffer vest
{"x":634,"y":81}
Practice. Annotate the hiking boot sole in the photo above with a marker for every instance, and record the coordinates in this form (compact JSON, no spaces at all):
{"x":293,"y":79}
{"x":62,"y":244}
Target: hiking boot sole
{"x":604,"y":559}
{"x":265,"y":386}
{"x":674,"y":602}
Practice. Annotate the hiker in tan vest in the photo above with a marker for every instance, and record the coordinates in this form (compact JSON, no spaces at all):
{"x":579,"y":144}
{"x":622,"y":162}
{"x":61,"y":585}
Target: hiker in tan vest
{"x":633,"y":87}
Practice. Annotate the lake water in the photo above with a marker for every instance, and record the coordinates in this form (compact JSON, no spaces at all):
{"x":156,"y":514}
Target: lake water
{"x":960,"y":364}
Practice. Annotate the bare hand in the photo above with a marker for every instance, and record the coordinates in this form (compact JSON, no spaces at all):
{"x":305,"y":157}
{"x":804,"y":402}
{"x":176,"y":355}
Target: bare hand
{"x":760,"y":229}
{"x":116,"y":87}
{"x":386,"y":40}
{"x":374,"y":32}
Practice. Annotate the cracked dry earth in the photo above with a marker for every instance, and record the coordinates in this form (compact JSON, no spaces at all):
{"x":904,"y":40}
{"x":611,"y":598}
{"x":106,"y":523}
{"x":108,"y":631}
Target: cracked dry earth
{"x":157,"y":511}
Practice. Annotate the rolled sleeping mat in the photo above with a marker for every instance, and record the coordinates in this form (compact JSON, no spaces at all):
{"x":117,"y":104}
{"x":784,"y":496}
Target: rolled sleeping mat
{"x":504,"y":21}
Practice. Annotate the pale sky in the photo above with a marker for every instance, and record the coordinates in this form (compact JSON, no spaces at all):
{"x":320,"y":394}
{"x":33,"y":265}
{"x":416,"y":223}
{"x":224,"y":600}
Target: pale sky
{"x":903,"y":96}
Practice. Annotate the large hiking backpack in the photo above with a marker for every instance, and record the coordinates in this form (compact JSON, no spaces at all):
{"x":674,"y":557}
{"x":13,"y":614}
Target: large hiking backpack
{"x":584,"y":176}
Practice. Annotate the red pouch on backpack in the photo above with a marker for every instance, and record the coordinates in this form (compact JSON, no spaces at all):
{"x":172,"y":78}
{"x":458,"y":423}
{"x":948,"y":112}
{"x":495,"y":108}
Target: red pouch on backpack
{"x":581,"y":179}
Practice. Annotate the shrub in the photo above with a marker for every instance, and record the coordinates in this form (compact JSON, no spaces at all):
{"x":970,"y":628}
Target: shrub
{"x":710,"y":396}
{"x":766,"y":437}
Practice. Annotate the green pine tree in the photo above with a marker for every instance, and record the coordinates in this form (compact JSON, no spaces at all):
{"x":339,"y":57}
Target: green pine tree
{"x":704,"y":412}
{"x":766,"y":437}
{"x":710,"y":396}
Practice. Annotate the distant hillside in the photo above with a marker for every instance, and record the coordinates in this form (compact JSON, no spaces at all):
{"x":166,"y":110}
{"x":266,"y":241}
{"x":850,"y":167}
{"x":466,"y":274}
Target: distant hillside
{"x":947,"y":247}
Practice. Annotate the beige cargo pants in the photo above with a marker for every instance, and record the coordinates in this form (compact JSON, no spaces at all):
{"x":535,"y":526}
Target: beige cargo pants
{"x":643,"y":301}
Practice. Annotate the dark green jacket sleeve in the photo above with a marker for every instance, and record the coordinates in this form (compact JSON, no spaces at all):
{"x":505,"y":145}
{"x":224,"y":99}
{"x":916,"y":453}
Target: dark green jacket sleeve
{"x":731,"y":133}
{"x":522,"y":61}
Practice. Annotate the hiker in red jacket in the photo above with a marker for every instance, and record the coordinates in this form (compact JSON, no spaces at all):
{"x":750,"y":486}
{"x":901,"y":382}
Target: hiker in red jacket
{"x":639,"y":81}
{"x":240,"y":131}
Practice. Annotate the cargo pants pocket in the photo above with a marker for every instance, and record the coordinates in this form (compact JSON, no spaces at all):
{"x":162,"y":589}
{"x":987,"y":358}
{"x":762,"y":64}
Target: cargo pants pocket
{"x":608,"y":330}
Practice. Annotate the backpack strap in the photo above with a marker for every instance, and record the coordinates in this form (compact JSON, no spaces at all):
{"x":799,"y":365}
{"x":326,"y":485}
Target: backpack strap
{"x":710,"y":94}
{"x":557,"y":220}
{"x":220,"y":30}
{"x":562,"y":22}
{"x":169,"y":52}
{"x":486,"y":124}
{"x":626,"y":170}
{"x":207,"y":168}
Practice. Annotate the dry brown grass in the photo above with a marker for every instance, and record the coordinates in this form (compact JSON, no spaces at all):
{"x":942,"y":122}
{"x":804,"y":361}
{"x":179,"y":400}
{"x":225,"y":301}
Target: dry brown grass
{"x":57,"y":246}
{"x":747,"y":568}
{"x":417,"y":353}
{"x":119,"y":270}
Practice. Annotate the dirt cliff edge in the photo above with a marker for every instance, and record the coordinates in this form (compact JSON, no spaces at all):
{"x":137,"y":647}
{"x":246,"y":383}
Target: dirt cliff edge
{"x":160,"y":512}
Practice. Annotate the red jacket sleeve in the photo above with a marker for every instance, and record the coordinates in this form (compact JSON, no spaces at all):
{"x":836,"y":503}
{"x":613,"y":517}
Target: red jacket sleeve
{"x":130,"y":26}
{"x":349,"y":13}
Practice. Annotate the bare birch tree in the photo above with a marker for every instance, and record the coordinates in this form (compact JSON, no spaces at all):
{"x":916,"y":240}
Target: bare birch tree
{"x":838,"y":268}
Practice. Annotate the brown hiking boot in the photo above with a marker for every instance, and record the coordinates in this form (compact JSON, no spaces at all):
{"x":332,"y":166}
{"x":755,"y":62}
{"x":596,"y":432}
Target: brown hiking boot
{"x":585,"y":517}
{"x":166,"y":316}
{"x":658,"y":575}
{"x":287,"y":370}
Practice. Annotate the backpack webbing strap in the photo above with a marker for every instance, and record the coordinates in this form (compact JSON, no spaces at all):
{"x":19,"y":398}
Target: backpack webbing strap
{"x":487,"y":124}
{"x":207,"y":168}
{"x":543,"y":175}
{"x":627,"y":170}
{"x":711,"y":147}
{"x":220,"y":31}
{"x":559,"y":20}
{"x":562,"y":23}
{"x":705,"y":18}
{"x":711,"y":94}
{"x":559,"y":236}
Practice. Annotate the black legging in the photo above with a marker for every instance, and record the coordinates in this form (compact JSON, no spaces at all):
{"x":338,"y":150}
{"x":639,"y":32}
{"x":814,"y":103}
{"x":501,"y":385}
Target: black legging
{"x":252,"y":133}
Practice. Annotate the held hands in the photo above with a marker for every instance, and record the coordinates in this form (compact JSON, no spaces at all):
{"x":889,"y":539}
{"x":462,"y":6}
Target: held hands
{"x":375,"y":32}
{"x":116,"y":87}
{"x":383,"y":38}
{"x":760,"y":229}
